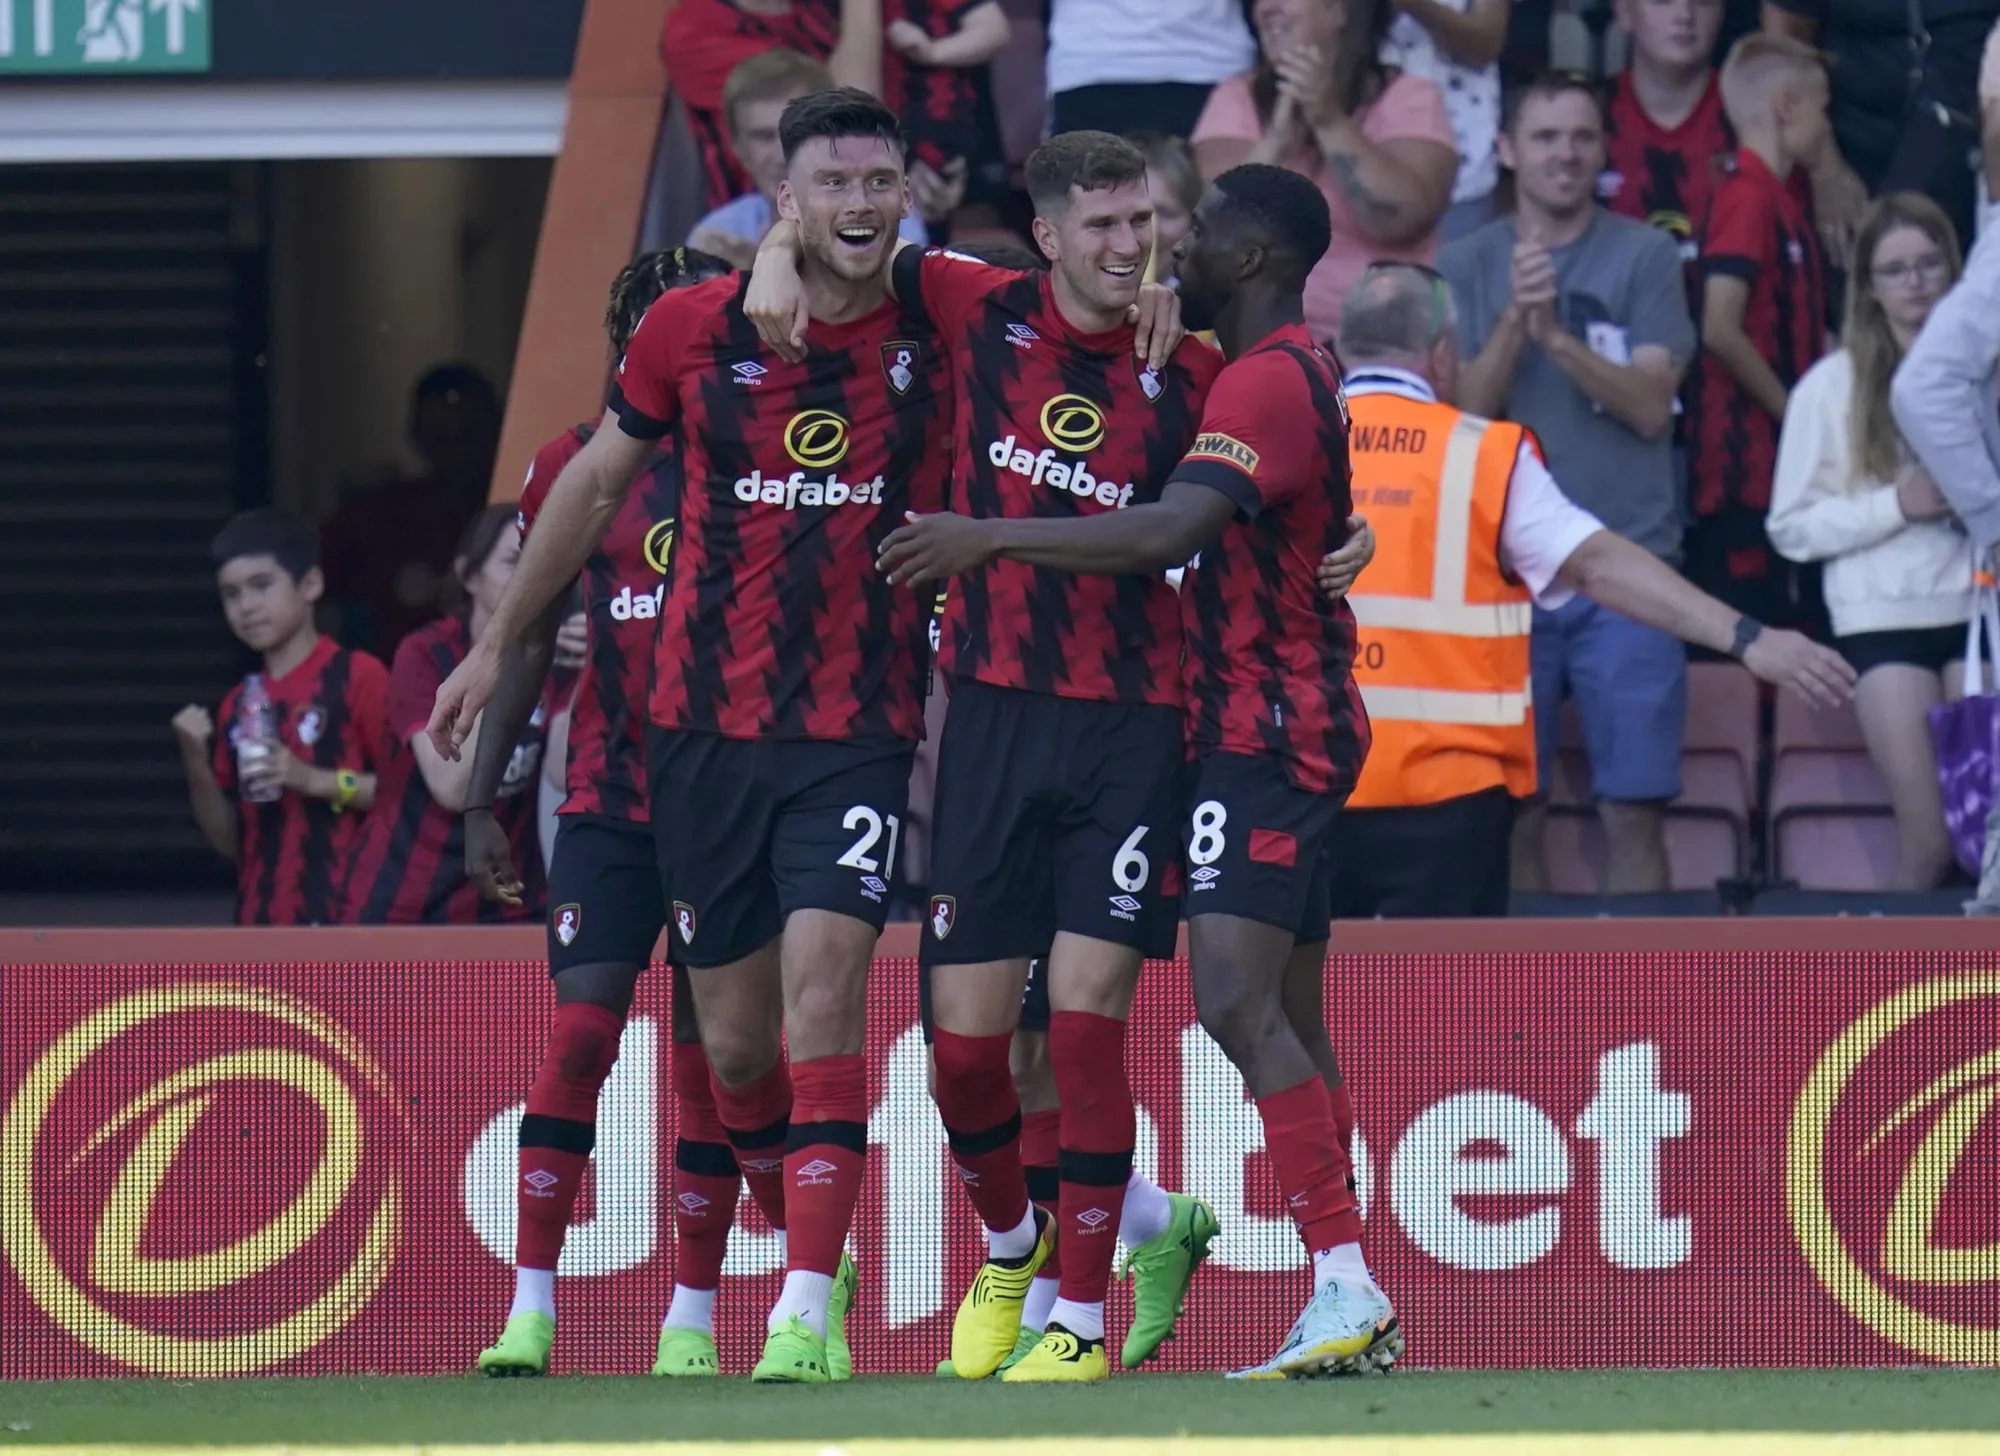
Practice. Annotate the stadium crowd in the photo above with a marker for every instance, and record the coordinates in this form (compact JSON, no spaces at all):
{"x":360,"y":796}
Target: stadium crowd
{"x":1386,"y":440}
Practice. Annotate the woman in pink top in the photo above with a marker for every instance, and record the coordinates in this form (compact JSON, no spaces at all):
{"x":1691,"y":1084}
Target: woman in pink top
{"x":1320,"y":102}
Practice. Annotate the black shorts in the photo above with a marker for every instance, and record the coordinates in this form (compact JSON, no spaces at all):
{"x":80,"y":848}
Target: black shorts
{"x":1926,"y":647}
{"x":1034,"y":999}
{"x":1442,"y":861}
{"x":606,"y":904}
{"x":1254,"y":843}
{"x":1052,"y":814}
{"x":750,"y":830}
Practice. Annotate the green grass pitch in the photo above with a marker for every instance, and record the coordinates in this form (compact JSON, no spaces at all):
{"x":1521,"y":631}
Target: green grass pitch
{"x":402,"y":1413}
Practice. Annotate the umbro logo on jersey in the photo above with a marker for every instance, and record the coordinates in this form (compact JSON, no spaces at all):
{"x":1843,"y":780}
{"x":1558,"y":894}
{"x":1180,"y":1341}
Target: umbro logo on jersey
{"x":749,"y":372}
{"x":817,"y":1173}
{"x":1021,"y":336}
{"x":569,"y":920}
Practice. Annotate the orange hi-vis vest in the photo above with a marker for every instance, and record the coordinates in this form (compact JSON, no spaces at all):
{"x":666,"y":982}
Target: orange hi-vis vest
{"x":1442,"y":656}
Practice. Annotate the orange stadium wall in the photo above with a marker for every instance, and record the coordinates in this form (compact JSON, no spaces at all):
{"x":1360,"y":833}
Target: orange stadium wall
{"x":597,"y":195}
{"x":1581,"y":1143}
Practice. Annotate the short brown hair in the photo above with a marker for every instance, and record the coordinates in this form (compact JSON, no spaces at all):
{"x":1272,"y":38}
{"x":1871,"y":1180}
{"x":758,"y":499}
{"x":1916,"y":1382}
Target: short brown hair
{"x":1088,"y":161}
{"x":1170,"y":157}
{"x":1547,"y":87}
{"x":772,"y":76}
{"x":1757,"y":65}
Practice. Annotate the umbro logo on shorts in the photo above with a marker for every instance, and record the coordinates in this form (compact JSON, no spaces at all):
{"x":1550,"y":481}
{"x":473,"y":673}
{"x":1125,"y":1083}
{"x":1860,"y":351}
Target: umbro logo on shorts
{"x":1124,"y":907}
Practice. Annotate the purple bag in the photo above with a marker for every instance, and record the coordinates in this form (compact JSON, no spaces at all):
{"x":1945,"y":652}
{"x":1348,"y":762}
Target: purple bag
{"x":1966,"y":735}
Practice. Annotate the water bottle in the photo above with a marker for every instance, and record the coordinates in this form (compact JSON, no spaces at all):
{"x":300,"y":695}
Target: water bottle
{"x":256,"y":740}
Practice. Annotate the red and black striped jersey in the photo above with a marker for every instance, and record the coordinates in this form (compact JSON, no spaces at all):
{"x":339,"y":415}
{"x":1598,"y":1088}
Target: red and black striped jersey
{"x":1661,"y":176}
{"x":703,"y":41}
{"x":331,"y":712}
{"x":1757,"y":231}
{"x":1054,"y":422}
{"x":411,"y":866}
{"x":776,"y":622}
{"x":939,"y":105}
{"x":1270,"y":659}
{"x":624,"y":582}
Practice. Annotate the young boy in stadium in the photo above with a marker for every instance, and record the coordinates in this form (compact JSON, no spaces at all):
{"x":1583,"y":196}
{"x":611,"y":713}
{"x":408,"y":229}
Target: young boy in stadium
{"x":1763,"y":324}
{"x":606,"y":905}
{"x":934,"y":75}
{"x":285,"y":802}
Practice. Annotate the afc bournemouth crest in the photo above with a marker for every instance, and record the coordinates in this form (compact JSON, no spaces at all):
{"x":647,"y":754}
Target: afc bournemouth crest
{"x":684,"y":921}
{"x":900,"y":363}
{"x":1150,"y":381}
{"x":311,"y":723}
{"x":944,"y":915}
{"x":569,"y":920}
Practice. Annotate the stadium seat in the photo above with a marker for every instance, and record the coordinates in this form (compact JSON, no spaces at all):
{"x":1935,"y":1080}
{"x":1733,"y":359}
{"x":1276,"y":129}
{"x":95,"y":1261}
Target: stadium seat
{"x":1831,"y":826}
{"x":1672,"y":904}
{"x":1794,"y":902}
{"x":1701,"y":850}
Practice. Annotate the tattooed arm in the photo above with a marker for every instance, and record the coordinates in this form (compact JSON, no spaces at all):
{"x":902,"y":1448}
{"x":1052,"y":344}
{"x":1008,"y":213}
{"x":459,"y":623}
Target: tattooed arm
{"x":1396,"y":189}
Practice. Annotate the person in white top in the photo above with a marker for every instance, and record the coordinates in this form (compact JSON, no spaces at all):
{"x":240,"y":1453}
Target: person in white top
{"x":1141,"y":65}
{"x":1399,"y":335}
{"x":1456,"y":45}
{"x":1848,"y":492}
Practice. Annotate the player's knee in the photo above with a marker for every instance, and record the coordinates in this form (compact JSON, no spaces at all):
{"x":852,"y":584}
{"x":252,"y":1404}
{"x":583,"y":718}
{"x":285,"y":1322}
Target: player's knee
{"x":974,"y":1087}
{"x":1235,"y":1013}
{"x":583,"y":1044}
{"x":737,"y":1056}
{"x":604,"y":984}
{"x":825,"y":1018}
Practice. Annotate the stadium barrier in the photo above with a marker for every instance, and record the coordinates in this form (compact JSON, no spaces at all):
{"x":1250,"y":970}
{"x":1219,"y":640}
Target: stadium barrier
{"x":1635,"y":1143}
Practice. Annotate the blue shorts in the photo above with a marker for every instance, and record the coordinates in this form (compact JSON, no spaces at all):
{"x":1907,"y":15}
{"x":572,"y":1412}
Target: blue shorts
{"x":1630,"y":685}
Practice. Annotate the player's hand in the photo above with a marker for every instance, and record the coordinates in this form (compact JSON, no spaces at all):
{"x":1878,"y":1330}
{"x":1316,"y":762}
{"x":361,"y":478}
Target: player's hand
{"x":931,"y":548}
{"x":775,"y":302}
{"x":1339,"y":569}
{"x":194,"y":729}
{"x":1156,"y":324}
{"x":572,"y":640}
{"x":460,"y":699}
{"x":1817,"y":674}
{"x":489,"y":858}
{"x":908,"y":40}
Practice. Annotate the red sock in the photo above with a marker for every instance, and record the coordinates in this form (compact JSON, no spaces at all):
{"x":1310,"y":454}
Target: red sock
{"x":1098,"y":1131}
{"x":982,"y":1117}
{"x":826,"y":1153}
{"x":706,"y":1178}
{"x":1041,"y":1156}
{"x":1343,"y":1124}
{"x":560,"y":1128}
{"x":757,"y":1115}
{"x":1313,"y":1169}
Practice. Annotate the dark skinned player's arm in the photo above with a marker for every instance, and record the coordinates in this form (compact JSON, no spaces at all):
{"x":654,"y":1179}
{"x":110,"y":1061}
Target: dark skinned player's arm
{"x":1136,"y":541}
{"x":524,"y":672}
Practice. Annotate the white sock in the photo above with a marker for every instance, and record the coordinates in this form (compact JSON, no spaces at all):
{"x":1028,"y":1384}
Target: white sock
{"x":1085,"y":1321}
{"x":1146,"y":1213}
{"x":1341,"y":1264}
{"x":1041,"y":1299}
{"x":806,"y":1295}
{"x":534,"y":1292}
{"x":1015,"y":1243}
{"x":691,"y":1309}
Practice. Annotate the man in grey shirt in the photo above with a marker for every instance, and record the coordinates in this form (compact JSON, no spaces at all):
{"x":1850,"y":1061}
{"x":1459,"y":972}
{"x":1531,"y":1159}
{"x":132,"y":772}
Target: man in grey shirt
{"x":1575,"y":323}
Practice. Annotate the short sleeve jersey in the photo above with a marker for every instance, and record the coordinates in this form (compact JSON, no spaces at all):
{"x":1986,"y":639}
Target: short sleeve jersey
{"x":1054,"y":422}
{"x":1270,"y":659}
{"x":1756,"y":231}
{"x":776,"y":622}
{"x":624,"y":583}
{"x":410,"y":868}
{"x":330,"y":712}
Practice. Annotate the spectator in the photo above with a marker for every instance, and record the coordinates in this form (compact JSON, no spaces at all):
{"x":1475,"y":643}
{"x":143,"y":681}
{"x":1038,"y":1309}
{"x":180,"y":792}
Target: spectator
{"x":1176,"y":187}
{"x":284,"y":801}
{"x":1763,"y":307}
{"x":1117,"y":64}
{"x":1665,"y":128}
{"x":1575,"y":323}
{"x":1898,"y":574}
{"x":935,"y":77}
{"x":1944,"y":395}
{"x":704,"y":41}
{"x":758,"y":92}
{"x":1442,"y":656}
{"x":1322,"y":103}
{"x":1456,"y":44}
{"x":1904,"y":111}
{"x":411,"y":865}
{"x":388,"y":549}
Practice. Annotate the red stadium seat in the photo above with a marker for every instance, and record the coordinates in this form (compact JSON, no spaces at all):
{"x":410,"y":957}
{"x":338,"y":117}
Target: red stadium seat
{"x":1831,"y":826}
{"x":1700,"y":851}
